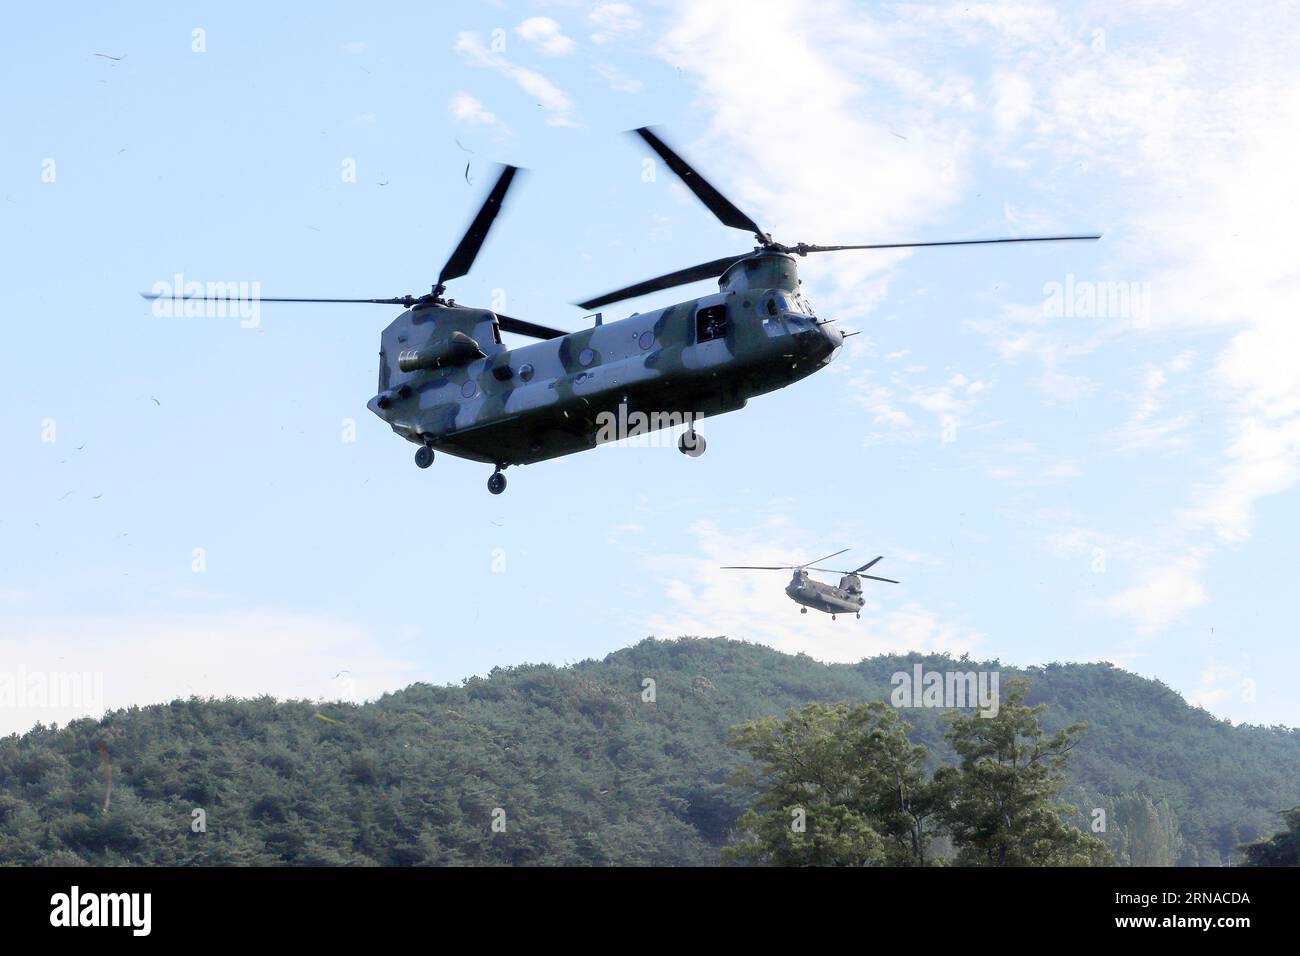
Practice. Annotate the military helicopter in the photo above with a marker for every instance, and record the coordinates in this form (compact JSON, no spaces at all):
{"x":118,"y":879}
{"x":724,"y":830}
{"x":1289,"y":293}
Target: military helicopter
{"x":808,"y":593}
{"x":448,"y":382}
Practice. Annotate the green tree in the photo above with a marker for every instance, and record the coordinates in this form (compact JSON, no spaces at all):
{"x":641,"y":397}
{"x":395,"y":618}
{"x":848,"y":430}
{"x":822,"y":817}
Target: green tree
{"x":589,"y":767}
{"x":1283,"y":849}
{"x":1000,"y":805}
{"x":1144,"y":832}
{"x":838,"y":786}
{"x":902,"y":800}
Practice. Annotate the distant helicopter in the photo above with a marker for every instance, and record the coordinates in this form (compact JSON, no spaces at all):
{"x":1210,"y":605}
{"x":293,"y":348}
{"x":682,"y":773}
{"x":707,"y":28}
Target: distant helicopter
{"x":808,"y":593}
{"x":447,"y":382}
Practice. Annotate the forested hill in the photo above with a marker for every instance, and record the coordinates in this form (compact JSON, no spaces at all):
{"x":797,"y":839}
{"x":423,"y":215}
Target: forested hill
{"x":574,"y":763}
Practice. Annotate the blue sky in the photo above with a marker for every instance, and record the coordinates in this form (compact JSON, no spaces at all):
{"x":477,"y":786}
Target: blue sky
{"x":1105,"y":484}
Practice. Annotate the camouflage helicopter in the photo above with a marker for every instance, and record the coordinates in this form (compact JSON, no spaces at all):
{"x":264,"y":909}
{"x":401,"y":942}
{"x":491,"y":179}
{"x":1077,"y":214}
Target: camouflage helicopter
{"x":808,"y":593}
{"x":448,"y":382}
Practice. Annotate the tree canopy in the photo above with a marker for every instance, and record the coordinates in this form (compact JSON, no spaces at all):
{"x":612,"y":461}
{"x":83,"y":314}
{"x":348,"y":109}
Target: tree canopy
{"x":587,"y":766}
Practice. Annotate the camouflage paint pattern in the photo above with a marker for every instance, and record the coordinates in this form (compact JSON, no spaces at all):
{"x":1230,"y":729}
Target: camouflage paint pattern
{"x":543,"y":400}
{"x":847,"y":598}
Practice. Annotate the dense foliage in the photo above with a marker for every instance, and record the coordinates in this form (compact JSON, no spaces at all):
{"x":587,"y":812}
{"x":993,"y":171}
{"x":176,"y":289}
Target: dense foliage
{"x":837,"y":786}
{"x":1283,"y":849}
{"x":581,"y":765}
{"x":999,"y":802}
{"x":845,"y":786}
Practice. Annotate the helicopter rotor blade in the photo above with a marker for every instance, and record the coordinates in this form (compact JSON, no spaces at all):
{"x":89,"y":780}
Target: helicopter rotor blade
{"x":531,"y":329}
{"x":705,"y":270}
{"x":804,"y":248}
{"x":406,"y":300}
{"x":820,"y":560}
{"x":507,"y":323}
{"x":758,"y":567}
{"x":869,"y":564}
{"x":859,"y":574}
{"x":722,"y":207}
{"x":463,"y":256}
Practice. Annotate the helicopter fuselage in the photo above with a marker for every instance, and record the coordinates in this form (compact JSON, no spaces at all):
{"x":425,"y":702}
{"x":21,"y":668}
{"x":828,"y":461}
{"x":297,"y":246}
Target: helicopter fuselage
{"x":447,"y":381}
{"x":845,"y":599}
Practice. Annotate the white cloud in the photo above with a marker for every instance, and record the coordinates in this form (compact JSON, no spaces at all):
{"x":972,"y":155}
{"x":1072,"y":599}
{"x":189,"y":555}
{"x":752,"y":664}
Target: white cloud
{"x":154,"y":658}
{"x":1164,"y":594}
{"x":1220,"y":684}
{"x":613,"y":21}
{"x":1193,"y":138}
{"x":865,"y":87}
{"x":617,"y":80}
{"x":1144,"y":430}
{"x":949,"y":402}
{"x":545,"y":33}
{"x":879,"y":402}
{"x":752,"y":605}
{"x":1062,"y":470}
{"x":558,"y":106}
{"x":1223,"y":127}
{"x":1263,"y":459}
{"x":467,"y":109}
{"x":1013,"y":100}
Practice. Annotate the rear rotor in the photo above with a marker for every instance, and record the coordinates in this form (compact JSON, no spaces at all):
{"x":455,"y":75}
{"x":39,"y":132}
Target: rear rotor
{"x":730,"y":215}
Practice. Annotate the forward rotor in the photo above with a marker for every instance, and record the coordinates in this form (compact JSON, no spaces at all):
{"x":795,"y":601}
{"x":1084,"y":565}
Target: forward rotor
{"x":812,"y":566}
{"x":780,"y":567}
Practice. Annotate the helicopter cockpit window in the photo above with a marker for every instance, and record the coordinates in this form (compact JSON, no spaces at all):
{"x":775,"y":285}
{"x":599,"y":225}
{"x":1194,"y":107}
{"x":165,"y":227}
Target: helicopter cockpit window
{"x":711,"y":323}
{"x":797,"y":311}
{"x":772,"y":324}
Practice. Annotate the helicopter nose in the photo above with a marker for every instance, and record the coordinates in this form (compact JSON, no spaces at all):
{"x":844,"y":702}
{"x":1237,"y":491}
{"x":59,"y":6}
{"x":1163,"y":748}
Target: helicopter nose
{"x":832,"y":341}
{"x":834,"y":335}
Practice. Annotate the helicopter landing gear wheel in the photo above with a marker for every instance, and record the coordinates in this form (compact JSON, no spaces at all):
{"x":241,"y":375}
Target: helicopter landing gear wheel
{"x":692,"y":443}
{"x":832,"y":617}
{"x":803,"y":610}
{"x":424,"y":456}
{"x":497,"y":483}
{"x":858,"y":615}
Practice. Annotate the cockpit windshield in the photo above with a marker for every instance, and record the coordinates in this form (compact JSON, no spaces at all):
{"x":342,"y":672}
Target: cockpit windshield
{"x":792,"y":304}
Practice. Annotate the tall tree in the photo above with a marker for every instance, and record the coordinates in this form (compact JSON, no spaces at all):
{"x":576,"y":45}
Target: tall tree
{"x":838,"y":786}
{"x":1148,"y":831}
{"x":1283,"y":849}
{"x":1001,"y":805}
{"x":902,"y":800}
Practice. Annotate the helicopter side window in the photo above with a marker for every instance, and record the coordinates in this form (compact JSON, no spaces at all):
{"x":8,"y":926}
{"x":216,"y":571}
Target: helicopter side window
{"x":711,"y":323}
